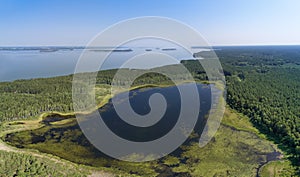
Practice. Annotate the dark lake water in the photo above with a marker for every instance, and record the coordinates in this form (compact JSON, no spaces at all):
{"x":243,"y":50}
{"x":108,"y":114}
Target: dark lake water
{"x":139,"y":103}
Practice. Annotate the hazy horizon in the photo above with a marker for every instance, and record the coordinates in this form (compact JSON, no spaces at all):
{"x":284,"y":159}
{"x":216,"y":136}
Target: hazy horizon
{"x":219,"y":45}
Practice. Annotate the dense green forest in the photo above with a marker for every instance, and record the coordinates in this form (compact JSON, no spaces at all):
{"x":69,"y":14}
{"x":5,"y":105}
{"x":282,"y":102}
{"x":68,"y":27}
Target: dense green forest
{"x":23,"y":99}
{"x":262,"y":83}
{"x":16,"y":164}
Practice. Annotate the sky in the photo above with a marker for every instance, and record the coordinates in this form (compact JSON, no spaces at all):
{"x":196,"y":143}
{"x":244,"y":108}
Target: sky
{"x":75,"y":23}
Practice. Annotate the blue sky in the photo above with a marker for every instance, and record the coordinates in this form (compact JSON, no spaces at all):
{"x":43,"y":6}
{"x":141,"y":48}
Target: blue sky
{"x":230,"y":22}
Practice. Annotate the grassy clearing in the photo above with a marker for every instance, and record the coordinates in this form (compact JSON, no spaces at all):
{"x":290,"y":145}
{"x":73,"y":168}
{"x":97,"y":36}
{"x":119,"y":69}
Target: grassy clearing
{"x":231,"y":153}
{"x":277,"y":168}
{"x":235,"y":150}
{"x":239,"y":121}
